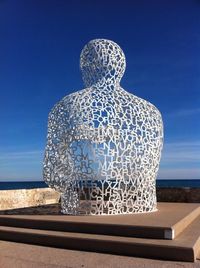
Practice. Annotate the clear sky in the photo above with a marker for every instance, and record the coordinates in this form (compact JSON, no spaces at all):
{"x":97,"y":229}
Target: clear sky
{"x":40,"y":44}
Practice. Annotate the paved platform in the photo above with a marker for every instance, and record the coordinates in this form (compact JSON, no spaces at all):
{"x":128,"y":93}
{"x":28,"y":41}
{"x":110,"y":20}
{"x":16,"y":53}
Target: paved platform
{"x":169,"y":221}
{"x":172,"y":233}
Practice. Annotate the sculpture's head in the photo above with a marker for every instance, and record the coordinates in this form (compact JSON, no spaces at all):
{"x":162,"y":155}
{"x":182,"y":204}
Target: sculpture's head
{"x":102,"y":62}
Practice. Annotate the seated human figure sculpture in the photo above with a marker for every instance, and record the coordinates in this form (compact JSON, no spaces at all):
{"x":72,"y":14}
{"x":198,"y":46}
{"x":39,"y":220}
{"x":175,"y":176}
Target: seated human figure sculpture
{"x":103,"y":144}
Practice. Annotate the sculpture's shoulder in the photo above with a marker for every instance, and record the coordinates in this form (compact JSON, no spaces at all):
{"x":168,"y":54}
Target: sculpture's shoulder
{"x":151,"y":108}
{"x":153,"y":112}
{"x":67,"y":102}
{"x":78,"y":95}
{"x":142,"y":106}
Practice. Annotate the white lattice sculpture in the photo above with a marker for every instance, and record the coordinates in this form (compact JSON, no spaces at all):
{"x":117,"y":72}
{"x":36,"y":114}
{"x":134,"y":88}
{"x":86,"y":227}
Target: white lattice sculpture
{"x":104,"y":144}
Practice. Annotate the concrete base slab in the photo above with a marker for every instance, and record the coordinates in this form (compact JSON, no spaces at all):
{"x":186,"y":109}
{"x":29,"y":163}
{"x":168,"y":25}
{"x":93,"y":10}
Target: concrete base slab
{"x":144,"y":235}
{"x":184,"y":248}
{"x":168,"y":222}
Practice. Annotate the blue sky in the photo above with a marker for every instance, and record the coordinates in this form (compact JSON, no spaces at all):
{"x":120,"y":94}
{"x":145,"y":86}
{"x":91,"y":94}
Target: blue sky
{"x":40,"y":44}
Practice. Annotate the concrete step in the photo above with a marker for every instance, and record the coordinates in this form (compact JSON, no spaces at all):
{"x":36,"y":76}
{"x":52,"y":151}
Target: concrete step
{"x":185,"y":247}
{"x":169,"y":221}
{"x":20,"y":255}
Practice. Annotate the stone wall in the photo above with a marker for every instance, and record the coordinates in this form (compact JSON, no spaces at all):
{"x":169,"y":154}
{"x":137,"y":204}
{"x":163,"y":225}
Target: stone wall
{"x":185,"y":195}
{"x":11,"y":199}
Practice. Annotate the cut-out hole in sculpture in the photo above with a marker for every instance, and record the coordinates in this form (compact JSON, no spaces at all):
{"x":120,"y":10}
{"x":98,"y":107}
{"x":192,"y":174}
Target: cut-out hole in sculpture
{"x":103,"y":144}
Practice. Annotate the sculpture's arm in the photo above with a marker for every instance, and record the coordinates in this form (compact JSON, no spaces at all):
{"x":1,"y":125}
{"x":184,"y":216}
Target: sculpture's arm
{"x":157,"y":134}
{"x":159,"y":123}
{"x":57,"y":122}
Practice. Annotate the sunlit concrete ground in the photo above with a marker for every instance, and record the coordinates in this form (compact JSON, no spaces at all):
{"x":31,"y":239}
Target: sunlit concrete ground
{"x":18,"y":255}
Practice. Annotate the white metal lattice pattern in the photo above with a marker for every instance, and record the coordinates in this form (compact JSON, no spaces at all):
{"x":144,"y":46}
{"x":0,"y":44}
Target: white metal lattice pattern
{"x":104,"y":144}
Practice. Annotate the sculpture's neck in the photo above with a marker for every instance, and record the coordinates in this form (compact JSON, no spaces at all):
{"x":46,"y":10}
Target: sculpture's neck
{"x":106,"y":85}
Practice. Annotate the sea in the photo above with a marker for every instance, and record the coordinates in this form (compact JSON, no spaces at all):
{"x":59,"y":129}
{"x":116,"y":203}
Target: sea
{"x":9,"y":185}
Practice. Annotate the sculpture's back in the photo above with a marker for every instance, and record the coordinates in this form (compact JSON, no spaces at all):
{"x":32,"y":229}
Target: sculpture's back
{"x":104,"y":144}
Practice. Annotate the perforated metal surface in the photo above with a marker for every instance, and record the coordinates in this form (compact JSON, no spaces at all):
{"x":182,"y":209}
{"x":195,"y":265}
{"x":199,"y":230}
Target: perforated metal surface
{"x":104,"y":144}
